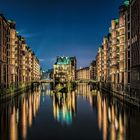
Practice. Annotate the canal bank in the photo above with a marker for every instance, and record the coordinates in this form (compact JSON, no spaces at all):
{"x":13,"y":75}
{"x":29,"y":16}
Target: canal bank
{"x":7,"y":94}
{"x":124,"y":94}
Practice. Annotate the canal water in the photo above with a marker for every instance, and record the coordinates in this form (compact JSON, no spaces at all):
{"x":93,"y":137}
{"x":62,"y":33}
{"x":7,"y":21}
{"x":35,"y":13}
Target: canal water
{"x":80,"y":115}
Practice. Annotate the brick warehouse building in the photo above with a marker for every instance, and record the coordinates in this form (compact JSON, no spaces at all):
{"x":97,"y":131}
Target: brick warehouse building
{"x":135,"y":44}
{"x":18,"y":64}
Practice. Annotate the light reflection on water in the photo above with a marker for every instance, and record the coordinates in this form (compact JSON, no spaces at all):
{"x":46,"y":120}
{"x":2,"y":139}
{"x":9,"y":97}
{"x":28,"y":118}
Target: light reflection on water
{"x":80,"y":110}
{"x":17,"y":115}
{"x":111,"y":120}
{"x":64,"y":107}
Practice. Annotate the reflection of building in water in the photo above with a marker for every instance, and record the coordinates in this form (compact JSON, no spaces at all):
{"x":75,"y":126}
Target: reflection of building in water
{"x":84,"y":89}
{"x":111,"y":119}
{"x":46,"y":87}
{"x":30,"y":108}
{"x":19,"y":113}
{"x":13,"y":126}
{"x":64,"y":107}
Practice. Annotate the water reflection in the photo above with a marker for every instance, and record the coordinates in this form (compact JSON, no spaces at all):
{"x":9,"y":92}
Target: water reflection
{"x":17,"y":115}
{"x":85,"y":90}
{"x":13,"y":126}
{"x":64,"y":107}
{"x":114,"y":118}
{"x":111,"y":119}
{"x":83,"y":110}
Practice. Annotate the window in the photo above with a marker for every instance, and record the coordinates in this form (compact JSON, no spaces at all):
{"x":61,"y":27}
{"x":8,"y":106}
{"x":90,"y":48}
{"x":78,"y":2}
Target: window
{"x":128,"y":54}
{"x":128,"y":26}
{"x":128,"y":17}
{"x":128,"y":77}
{"x":128,"y":35}
{"x":129,"y":64}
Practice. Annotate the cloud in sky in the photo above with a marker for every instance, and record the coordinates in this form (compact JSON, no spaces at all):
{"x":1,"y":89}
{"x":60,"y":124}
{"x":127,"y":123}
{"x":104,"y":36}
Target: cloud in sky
{"x":27,"y":34}
{"x":41,"y":60}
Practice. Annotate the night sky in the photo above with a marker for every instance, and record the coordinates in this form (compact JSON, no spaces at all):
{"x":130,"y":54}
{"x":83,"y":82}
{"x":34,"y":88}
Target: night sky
{"x":62,"y":27}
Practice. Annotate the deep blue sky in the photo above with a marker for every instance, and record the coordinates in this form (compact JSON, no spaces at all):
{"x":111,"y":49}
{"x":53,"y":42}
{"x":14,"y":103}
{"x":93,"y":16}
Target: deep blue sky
{"x":62,"y":27}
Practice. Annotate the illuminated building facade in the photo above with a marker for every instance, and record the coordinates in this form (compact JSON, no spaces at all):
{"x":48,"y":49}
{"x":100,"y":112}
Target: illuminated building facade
{"x":64,"y":69}
{"x":127,"y":45}
{"x":13,"y":45}
{"x":118,"y":58}
{"x":93,"y":70}
{"x":118,"y":49}
{"x":103,"y":61}
{"x":99,"y":64}
{"x":135,"y":46}
{"x":83,"y":74}
{"x":18,"y":64}
{"x":4,"y":52}
{"x":104,"y":52}
{"x":111,"y":57}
